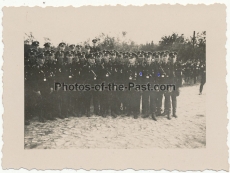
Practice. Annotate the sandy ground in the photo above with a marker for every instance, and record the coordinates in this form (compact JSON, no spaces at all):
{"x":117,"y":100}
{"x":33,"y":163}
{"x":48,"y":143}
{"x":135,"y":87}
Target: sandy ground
{"x":187,"y":131}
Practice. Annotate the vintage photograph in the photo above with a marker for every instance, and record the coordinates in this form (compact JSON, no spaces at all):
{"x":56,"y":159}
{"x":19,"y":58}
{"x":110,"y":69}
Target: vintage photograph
{"x":113,"y":86}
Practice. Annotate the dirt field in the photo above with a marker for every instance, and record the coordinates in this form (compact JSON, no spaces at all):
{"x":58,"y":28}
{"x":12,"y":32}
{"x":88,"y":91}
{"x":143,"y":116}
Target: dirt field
{"x":187,"y":131}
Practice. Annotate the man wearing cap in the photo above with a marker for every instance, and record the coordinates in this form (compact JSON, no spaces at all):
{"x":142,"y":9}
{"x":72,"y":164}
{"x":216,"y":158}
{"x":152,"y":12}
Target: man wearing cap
{"x":175,"y":76}
{"x":166,"y":80}
{"x":133,"y":95}
{"x":49,"y":70}
{"x":203,"y":75}
{"x":42,"y":88}
{"x":95,"y":47}
{"x":60,"y":77}
{"x":30,"y":66}
{"x":147,"y":75}
{"x":158,"y":79}
{"x":47,"y":46}
{"x":106,"y":78}
{"x":90,"y":78}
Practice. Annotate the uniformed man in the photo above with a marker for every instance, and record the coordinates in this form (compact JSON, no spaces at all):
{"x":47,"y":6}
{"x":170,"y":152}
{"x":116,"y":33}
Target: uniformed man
{"x":90,"y":77}
{"x":42,"y":88}
{"x":60,"y":77}
{"x":159,"y":75}
{"x":49,"y":70}
{"x":146,"y":76}
{"x":95,"y":48}
{"x":105,"y":95}
{"x":166,"y":69}
{"x":35,"y":45}
{"x":153,"y":94}
{"x":83,"y":70}
{"x":133,"y":95}
{"x":175,"y":75}
{"x":30,"y":81}
{"x":203,"y":75}
{"x":47,"y":46}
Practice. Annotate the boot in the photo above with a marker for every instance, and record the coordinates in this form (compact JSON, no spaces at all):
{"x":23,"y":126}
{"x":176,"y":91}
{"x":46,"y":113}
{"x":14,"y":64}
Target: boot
{"x":174,"y":113}
{"x":145,"y":116}
{"x":113,"y":114}
{"x":164,"y":113}
{"x":169,"y":116}
{"x":135,"y":115}
{"x":154,"y":116}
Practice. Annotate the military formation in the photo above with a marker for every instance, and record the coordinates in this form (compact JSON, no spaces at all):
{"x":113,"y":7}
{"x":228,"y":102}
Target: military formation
{"x":91,"y":65}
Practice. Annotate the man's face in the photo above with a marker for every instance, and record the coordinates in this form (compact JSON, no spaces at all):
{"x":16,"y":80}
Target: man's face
{"x":148,"y":60}
{"x":32,"y":58}
{"x":165,"y":58}
{"x":106,"y":59}
{"x":72,"y":49}
{"x":82,"y":59}
{"x":91,"y":61}
{"x":153,"y":59}
{"x":87,"y":50}
{"x":69,"y":58}
{"x":157,"y":59}
{"x":174,"y":59}
{"x":98,"y":59}
{"x":62,"y":48}
{"x":78,"y":49}
{"x":40,"y":61}
{"x":140,"y":59}
{"x":112,"y":58}
{"x":132,"y":61}
{"x":35,"y":47}
{"x":47,"y":48}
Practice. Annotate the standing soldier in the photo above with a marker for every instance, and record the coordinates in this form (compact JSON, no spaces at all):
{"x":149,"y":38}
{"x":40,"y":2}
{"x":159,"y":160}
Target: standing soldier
{"x":81,"y":80}
{"x":203,"y":75}
{"x":175,"y":75}
{"x":30,"y":96}
{"x":119,"y":80}
{"x":59,"y":77}
{"x":147,"y":75}
{"x":69,"y":79}
{"x":106,"y":79}
{"x":125,"y":74}
{"x":159,"y":76}
{"x":166,"y":70}
{"x":42,"y":88}
{"x":97,"y":94}
{"x":133,"y":95}
{"x":90,"y":77}
{"x":49,"y":70}
{"x":153,"y":94}
{"x":47,"y":46}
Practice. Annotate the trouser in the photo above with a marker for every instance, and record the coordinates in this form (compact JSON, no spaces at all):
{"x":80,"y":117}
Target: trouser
{"x":88,"y":96}
{"x":146,"y":102}
{"x":32,"y":104}
{"x":153,"y":101}
{"x":171,"y":100}
{"x":96,"y":101}
{"x":159,"y":97}
{"x":105,"y":102}
{"x":203,"y":81}
{"x":133,"y":102}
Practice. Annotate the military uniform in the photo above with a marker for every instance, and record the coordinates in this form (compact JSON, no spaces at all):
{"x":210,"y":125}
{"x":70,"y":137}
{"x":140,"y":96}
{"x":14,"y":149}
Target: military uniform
{"x":30,"y":81}
{"x":175,"y":78}
{"x":203,"y":76}
{"x":133,"y":95}
{"x":159,"y":79}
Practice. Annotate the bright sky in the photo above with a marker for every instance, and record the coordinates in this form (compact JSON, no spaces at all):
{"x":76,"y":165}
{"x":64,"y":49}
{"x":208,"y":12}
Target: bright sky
{"x":75,"y":25}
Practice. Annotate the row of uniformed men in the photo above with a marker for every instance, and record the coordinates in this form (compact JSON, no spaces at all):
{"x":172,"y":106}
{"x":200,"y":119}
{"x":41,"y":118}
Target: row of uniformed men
{"x":43,"y":69}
